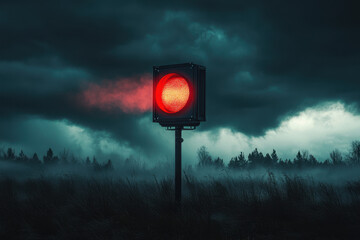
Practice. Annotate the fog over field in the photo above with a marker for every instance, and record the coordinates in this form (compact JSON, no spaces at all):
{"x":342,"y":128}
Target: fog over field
{"x":319,"y":130}
{"x":278,"y":156}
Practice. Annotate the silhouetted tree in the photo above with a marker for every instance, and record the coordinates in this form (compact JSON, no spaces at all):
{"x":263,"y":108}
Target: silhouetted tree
{"x":274,"y":157}
{"x":22,"y":157}
{"x":336,"y":157}
{"x":218,"y":162}
{"x":281,"y":163}
{"x":354,"y":155}
{"x":238,"y":162}
{"x":50,"y":158}
{"x":268,"y":160}
{"x":312,"y":160}
{"x":35,"y":159}
{"x":326,"y":163}
{"x":301,"y":159}
{"x":298,"y":157}
{"x":256,"y":158}
{"x":10,"y":154}
{"x":108,"y":165}
{"x":204,"y":157}
{"x":305,"y":155}
{"x":287,"y":163}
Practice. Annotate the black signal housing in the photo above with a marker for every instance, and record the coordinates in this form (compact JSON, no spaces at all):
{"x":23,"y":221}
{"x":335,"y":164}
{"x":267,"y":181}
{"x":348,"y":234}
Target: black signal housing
{"x":194,"y":111}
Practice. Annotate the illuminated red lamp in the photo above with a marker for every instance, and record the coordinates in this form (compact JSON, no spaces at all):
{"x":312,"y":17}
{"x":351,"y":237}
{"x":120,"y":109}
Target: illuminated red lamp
{"x":172,"y":93}
{"x":179,"y":95}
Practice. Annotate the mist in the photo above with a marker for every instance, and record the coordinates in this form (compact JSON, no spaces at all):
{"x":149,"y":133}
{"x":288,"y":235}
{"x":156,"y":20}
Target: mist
{"x":278,"y":156}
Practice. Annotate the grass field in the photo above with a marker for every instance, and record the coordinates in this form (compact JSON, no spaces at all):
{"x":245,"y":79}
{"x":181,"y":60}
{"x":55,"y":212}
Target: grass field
{"x":227,"y":207}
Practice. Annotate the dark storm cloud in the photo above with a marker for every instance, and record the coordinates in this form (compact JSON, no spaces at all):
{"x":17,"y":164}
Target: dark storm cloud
{"x":264,"y":59}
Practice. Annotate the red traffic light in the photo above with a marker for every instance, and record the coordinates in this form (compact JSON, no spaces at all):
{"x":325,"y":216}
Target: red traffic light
{"x":179,"y":95}
{"x":172,"y":93}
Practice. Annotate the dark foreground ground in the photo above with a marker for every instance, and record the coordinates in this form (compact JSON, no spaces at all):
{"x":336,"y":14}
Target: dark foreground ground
{"x":73,"y":207}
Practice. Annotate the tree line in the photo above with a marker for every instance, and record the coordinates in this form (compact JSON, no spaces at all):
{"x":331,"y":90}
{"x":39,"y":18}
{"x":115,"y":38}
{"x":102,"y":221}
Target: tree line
{"x":254,"y":159}
{"x":302,"y":159}
{"x":50,"y":159}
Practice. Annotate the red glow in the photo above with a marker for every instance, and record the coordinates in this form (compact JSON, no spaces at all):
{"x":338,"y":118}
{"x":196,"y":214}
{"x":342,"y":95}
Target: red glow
{"x":172,"y":93}
{"x":131,"y":95}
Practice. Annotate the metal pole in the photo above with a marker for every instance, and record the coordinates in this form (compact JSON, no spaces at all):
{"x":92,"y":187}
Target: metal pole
{"x":178,"y":141}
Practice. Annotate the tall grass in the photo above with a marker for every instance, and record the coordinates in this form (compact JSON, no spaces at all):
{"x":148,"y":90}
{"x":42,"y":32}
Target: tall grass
{"x":273,"y":207}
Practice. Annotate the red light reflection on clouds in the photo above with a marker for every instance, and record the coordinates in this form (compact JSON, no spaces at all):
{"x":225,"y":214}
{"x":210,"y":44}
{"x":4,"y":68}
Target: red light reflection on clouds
{"x":130,"y":95}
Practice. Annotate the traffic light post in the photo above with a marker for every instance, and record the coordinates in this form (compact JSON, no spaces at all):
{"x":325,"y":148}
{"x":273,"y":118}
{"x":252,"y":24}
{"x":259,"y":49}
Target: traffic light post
{"x":179,"y":104}
{"x":178,"y":141}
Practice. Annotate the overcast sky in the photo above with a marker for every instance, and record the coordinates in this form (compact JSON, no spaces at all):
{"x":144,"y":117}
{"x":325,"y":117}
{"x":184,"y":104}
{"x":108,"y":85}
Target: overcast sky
{"x":280,"y":75}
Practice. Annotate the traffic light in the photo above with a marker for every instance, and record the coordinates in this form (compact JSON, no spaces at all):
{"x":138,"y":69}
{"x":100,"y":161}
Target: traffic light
{"x":179,"y":95}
